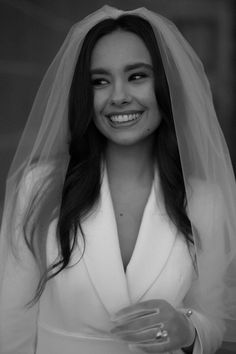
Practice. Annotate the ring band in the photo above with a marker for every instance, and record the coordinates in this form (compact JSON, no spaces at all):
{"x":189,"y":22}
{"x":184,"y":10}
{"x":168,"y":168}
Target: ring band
{"x":161,"y":334}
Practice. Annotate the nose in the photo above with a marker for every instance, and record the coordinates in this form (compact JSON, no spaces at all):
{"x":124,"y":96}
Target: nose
{"x":120,"y":94}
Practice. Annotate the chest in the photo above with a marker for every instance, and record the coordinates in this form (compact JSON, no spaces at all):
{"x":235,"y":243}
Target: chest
{"x":129,"y":205}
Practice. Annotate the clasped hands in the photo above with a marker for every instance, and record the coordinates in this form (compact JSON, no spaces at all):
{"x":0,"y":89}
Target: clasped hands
{"x":153,"y":326}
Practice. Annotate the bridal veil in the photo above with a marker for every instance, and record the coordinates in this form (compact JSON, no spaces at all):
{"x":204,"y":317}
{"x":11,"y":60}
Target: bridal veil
{"x":203,"y":151}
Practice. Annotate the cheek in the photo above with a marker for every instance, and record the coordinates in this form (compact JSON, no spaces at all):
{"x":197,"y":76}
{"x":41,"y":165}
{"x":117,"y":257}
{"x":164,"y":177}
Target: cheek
{"x":146,"y":94}
{"x":152,"y":103}
{"x":99,"y":100}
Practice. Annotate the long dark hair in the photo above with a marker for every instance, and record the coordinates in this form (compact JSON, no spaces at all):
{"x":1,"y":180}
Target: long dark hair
{"x":87,"y":145}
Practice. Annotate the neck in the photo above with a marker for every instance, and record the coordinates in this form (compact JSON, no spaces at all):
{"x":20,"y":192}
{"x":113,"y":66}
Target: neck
{"x":130,"y":163}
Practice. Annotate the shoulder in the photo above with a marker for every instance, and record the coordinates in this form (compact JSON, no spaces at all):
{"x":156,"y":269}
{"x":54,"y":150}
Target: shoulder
{"x":36,"y":173}
{"x":203,"y":194}
{"x":205,"y":207}
{"x":33,"y":180}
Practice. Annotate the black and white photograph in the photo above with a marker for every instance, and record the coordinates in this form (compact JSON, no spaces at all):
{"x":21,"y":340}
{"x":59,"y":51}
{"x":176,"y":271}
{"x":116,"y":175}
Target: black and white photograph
{"x":117,"y":179}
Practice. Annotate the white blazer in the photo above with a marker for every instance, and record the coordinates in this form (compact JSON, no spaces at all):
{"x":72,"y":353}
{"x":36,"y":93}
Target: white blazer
{"x":74,"y":315}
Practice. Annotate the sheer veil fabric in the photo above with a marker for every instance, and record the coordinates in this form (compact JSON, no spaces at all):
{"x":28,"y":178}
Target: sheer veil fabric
{"x":204,"y":155}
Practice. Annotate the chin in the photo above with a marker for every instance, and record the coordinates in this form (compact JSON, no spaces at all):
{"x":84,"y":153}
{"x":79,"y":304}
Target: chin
{"x":128,"y":141}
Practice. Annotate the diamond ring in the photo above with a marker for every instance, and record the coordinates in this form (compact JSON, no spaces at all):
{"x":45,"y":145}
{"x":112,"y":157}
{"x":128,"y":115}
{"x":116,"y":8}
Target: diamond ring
{"x":161,"y":334}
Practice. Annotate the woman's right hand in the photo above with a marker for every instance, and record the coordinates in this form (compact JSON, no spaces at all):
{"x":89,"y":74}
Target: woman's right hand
{"x":154,"y":326}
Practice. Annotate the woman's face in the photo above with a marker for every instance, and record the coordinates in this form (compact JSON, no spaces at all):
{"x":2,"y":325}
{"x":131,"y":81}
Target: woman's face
{"x":126,"y":110}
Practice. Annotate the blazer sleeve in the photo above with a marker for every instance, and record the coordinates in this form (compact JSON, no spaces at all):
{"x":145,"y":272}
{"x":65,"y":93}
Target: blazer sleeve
{"x":209,"y":334}
{"x":205,"y":296}
{"x":18,"y":324}
{"x":18,"y":321}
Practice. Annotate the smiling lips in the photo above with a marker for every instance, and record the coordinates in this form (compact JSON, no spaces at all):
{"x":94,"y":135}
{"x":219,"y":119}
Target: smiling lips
{"x":124,"y":117}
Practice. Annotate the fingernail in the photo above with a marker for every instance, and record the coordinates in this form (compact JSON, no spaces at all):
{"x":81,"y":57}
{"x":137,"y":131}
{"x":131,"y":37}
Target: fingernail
{"x":117,"y":321}
{"x":113,"y":319}
{"x":134,"y":348}
{"x":115,"y":316}
{"x":115,"y":330}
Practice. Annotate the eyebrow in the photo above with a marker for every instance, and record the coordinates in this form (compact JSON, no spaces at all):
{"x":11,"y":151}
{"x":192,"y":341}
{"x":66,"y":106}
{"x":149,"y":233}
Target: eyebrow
{"x":127,"y":68}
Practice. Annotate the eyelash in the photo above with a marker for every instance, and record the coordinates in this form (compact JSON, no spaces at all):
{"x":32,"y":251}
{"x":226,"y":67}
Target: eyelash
{"x":97,"y":82}
{"x":141,"y":75}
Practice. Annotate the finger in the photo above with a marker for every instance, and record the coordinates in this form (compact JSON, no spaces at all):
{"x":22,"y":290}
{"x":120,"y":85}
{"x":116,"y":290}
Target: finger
{"x":138,"y":324}
{"x":153,"y":347}
{"x":138,"y":315}
{"x":144,"y":307}
{"x":147,"y":334}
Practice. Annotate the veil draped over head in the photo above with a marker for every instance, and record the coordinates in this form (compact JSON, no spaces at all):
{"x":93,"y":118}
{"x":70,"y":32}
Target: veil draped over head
{"x":204,"y":157}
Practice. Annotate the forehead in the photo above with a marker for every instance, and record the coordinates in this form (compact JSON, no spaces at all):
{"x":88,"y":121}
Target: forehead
{"x":118,"y":49}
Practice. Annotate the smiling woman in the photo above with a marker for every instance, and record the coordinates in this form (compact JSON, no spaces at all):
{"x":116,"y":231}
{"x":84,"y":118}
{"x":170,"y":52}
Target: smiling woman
{"x":118,"y":231}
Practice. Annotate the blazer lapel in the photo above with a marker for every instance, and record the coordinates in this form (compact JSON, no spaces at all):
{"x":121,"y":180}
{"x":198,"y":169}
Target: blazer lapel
{"x":153,"y":247}
{"x":102,"y":254}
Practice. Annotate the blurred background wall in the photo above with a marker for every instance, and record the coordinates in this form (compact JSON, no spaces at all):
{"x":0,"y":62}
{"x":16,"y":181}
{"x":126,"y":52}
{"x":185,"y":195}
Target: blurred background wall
{"x":31,"y":32}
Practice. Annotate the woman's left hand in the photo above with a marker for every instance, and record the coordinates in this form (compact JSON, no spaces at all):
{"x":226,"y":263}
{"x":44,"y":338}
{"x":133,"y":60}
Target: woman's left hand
{"x":141,"y":323}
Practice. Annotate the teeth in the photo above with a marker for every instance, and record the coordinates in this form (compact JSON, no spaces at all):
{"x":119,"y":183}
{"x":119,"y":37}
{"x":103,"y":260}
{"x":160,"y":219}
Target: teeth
{"x":124,"y":117}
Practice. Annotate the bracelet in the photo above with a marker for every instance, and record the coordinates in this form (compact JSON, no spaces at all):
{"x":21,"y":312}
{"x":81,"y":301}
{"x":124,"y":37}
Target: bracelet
{"x":188,"y":350}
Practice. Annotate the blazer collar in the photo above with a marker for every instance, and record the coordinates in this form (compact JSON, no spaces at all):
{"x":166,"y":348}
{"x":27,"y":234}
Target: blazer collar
{"x":102,"y":257}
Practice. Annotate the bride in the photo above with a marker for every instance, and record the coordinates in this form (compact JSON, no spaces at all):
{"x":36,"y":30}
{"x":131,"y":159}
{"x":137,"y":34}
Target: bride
{"x":118,"y":231}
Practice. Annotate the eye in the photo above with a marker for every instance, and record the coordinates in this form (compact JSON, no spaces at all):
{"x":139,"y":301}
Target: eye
{"x":138,"y":76}
{"x":99,"y":82}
